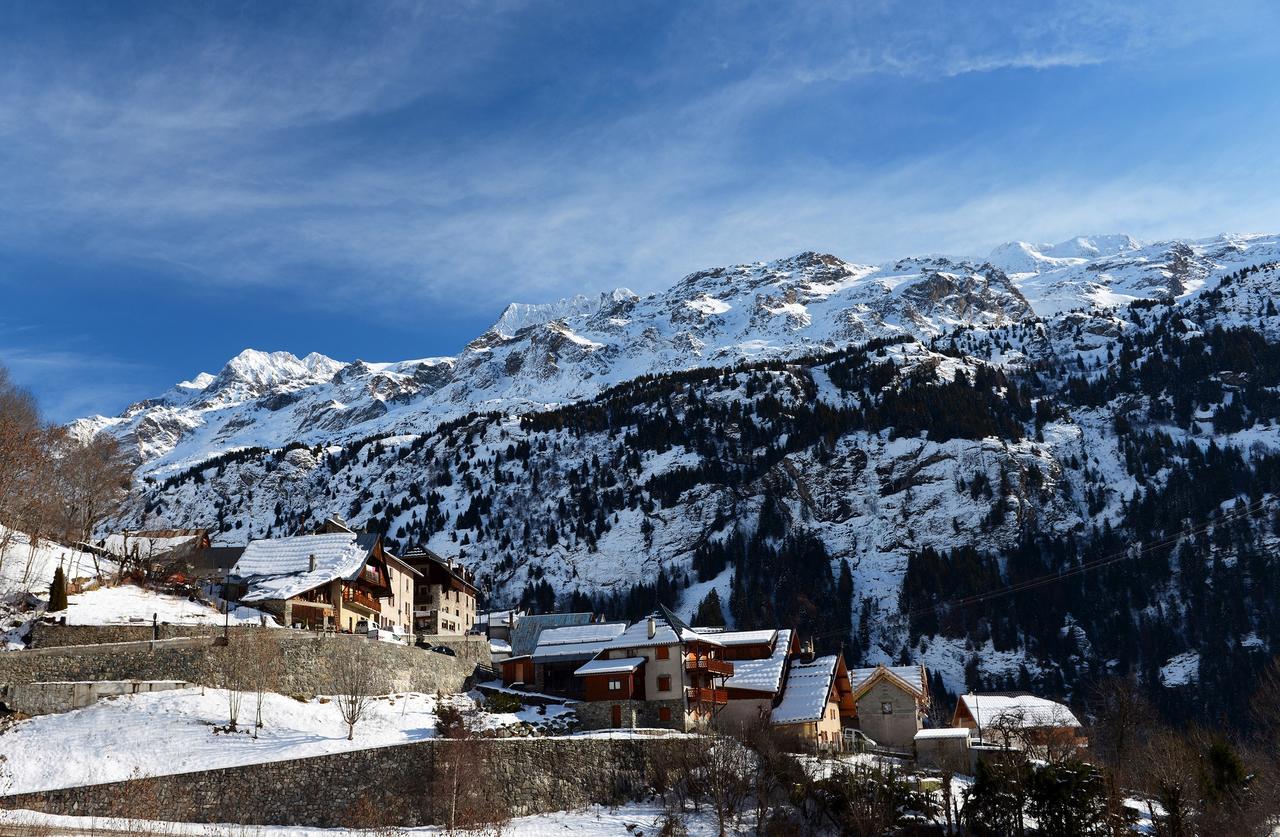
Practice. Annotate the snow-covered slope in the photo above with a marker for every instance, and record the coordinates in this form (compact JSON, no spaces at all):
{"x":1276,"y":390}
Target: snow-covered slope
{"x":536,"y":356}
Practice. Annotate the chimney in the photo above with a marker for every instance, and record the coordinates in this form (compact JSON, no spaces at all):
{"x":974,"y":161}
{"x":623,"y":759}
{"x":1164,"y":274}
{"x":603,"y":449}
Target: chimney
{"x":311,"y":562}
{"x":806,"y":651}
{"x":653,"y":627}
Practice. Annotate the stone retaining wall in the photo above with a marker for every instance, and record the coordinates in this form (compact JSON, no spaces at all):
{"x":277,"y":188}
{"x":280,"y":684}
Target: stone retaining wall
{"x":46,"y":635}
{"x":50,"y":698}
{"x":302,"y":669}
{"x":407,"y":785}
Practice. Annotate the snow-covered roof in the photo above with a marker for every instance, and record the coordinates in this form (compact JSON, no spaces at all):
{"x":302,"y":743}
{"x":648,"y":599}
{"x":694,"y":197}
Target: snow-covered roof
{"x":730,"y":639}
{"x":808,"y":685}
{"x":620,"y":666}
{"x":762,"y":675}
{"x":280,"y":568}
{"x":912,"y":676}
{"x":1023,"y":711}
{"x":942,"y":732}
{"x":637,"y":635}
{"x":527,"y":629}
{"x":576,"y":642}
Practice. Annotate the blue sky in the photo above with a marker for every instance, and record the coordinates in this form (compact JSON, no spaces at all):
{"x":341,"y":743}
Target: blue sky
{"x":377,"y":180}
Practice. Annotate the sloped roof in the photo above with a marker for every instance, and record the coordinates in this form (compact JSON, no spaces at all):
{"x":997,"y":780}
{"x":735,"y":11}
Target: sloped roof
{"x":668,"y":630}
{"x":912,"y":678}
{"x":619,"y":666}
{"x":762,"y":675}
{"x":524,"y":636}
{"x":730,"y":639}
{"x":576,"y":642}
{"x":1022,"y":711}
{"x":808,"y":686}
{"x":280,"y":568}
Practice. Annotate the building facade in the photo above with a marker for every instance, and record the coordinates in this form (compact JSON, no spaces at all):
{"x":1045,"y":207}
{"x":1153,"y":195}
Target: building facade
{"x":444,"y":595}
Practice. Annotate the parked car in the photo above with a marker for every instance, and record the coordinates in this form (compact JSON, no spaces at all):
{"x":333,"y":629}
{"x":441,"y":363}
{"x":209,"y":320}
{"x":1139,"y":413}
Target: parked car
{"x":856,"y":741}
{"x":443,"y":649}
{"x":387,"y":635}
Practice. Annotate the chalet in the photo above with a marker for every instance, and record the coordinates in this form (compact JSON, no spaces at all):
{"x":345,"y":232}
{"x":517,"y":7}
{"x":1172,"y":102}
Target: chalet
{"x":395,"y":608}
{"x":890,"y":703}
{"x":551,"y":667}
{"x":761,"y":660}
{"x":445,"y":594}
{"x":658,"y":672}
{"x":333,"y":580}
{"x":1018,"y":721}
{"x":816,"y":700}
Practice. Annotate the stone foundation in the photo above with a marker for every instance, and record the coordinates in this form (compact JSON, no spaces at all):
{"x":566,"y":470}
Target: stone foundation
{"x":636,"y":714}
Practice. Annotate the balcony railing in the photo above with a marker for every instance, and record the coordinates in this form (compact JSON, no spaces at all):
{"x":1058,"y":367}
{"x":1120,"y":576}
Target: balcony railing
{"x":354,"y":596}
{"x":707,"y":695}
{"x":425,"y":613}
{"x":720,"y":668}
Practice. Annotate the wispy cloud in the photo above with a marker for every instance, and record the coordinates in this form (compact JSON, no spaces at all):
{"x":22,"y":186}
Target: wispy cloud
{"x":322,"y":153}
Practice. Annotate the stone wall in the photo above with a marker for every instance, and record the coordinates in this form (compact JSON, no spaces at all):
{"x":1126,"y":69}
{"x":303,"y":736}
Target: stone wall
{"x":404,"y":785}
{"x":46,"y":635}
{"x":636,"y":714}
{"x":303,"y":661}
{"x":49,"y":698}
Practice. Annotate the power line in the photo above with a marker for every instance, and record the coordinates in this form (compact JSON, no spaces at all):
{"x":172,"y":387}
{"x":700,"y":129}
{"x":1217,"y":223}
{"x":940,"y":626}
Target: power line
{"x":1051,"y":578}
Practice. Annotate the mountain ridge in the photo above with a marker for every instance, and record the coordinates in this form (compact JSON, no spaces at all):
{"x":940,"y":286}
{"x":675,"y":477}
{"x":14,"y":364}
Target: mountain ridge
{"x":536,"y":356}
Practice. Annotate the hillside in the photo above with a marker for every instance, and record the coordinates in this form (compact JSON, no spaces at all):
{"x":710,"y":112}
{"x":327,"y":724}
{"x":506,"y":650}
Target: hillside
{"x":850,"y":491}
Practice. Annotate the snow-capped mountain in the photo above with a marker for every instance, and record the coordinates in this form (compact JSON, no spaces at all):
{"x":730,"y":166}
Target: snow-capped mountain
{"x":844,"y":491}
{"x":537,"y":356}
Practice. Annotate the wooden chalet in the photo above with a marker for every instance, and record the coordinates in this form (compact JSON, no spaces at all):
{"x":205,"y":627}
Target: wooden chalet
{"x":334,"y":580}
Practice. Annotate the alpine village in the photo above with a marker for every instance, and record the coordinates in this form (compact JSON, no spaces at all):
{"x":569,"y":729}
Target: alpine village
{"x":849,"y":519}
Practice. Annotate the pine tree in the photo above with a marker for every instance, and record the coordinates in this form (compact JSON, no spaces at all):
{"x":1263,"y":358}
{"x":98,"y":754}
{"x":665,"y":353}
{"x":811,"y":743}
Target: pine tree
{"x":710,"y":614}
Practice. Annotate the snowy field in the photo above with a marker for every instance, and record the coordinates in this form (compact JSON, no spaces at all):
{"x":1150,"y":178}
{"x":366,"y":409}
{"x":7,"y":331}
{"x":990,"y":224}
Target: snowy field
{"x":24,"y":569}
{"x":129,"y":603}
{"x":180,"y":731}
{"x":632,"y":819}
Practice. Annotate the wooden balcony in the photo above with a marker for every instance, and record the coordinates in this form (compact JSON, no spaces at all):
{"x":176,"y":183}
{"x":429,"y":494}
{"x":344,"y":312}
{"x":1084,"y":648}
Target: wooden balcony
{"x":352,"y":596}
{"x":720,"y":668}
{"x":714,"y":696}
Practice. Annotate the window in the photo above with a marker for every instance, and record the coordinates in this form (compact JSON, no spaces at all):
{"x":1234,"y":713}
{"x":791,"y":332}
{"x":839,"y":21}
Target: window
{"x":663,"y":653}
{"x":664,"y":713}
{"x":664,"y":682}
{"x":615,"y":685}
{"x":831,"y":714}
{"x":886,"y":707}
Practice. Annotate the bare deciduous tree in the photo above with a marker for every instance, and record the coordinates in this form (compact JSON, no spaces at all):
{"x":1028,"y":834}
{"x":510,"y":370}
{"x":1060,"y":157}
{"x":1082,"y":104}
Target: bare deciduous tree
{"x":353,"y":681}
{"x":265,"y":660}
{"x":727,"y":779}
